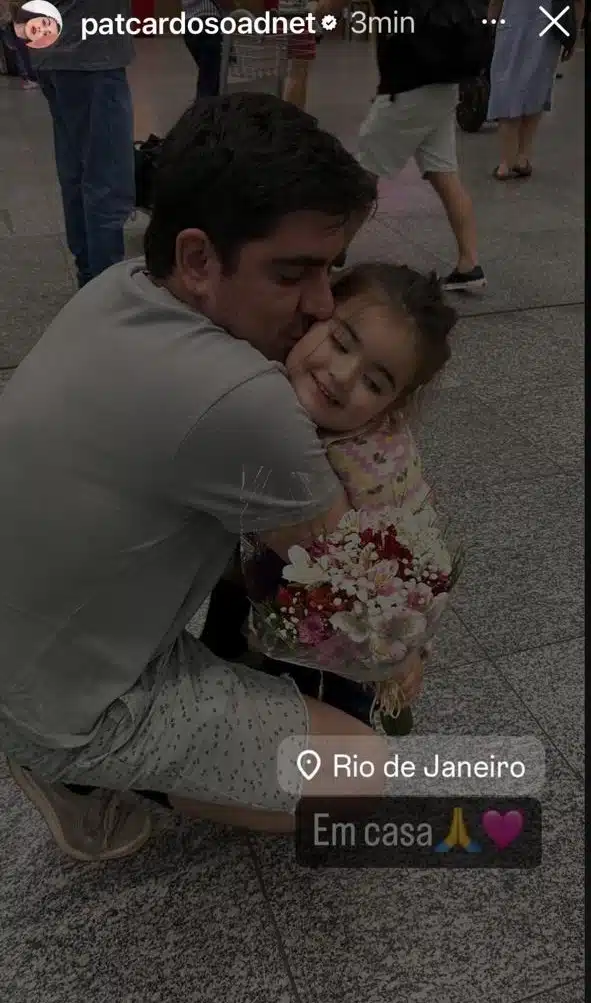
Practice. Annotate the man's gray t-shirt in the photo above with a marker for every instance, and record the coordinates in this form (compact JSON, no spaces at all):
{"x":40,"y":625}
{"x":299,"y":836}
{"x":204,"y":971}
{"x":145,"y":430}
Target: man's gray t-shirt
{"x":137,"y":441}
{"x":95,"y":52}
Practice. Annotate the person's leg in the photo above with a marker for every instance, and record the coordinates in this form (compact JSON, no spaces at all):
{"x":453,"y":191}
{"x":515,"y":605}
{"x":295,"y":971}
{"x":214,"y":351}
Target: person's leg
{"x":206,"y":51}
{"x":207,"y":735}
{"x":421,"y":124}
{"x":108,"y":180}
{"x":301,"y":52}
{"x":509,"y":143}
{"x":437,"y":160}
{"x":391,"y":132}
{"x":528,"y":127}
{"x":226,"y":615}
{"x":68,"y":101}
{"x":296,"y":83}
{"x":330,"y":732}
{"x":460,"y":213}
{"x":353,"y":698}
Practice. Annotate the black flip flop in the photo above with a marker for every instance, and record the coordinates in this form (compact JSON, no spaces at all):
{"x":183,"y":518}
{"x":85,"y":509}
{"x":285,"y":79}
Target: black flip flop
{"x":525,"y":171}
{"x":509,"y":176}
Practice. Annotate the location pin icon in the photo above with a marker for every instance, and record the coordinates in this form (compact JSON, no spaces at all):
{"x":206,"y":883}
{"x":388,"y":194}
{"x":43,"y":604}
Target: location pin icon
{"x":308,"y":763}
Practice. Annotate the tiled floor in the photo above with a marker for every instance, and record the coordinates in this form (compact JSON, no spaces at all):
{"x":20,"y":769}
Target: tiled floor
{"x":204,"y":915}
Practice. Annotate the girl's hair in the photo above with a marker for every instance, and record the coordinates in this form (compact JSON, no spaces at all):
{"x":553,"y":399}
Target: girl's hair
{"x":417,"y":297}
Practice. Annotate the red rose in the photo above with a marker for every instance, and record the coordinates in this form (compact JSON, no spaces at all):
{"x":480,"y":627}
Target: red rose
{"x":284,"y":598}
{"x":390,"y":549}
{"x":368,"y":536}
{"x":320,"y":598}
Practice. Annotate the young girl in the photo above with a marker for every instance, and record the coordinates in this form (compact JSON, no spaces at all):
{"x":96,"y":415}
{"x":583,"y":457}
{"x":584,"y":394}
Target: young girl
{"x":355,"y":375}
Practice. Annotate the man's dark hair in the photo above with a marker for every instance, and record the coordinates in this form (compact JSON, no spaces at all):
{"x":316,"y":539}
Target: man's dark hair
{"x":234,"y":166}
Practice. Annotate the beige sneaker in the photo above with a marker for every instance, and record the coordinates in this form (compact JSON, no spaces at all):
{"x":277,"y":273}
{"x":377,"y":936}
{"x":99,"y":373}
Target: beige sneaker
{"x":89,"y":827}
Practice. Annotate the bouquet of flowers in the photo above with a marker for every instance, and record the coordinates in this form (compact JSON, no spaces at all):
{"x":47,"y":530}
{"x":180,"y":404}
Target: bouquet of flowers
{"x":356,"y":601}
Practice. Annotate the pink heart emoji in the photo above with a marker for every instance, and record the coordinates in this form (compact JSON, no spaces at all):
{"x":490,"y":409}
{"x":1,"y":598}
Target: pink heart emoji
{"x":502,"y":829}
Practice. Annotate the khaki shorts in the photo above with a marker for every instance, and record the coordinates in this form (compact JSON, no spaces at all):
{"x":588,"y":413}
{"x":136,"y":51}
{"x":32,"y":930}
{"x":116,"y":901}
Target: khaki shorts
{"x":193,"y":726}
{"x":419,"y":124}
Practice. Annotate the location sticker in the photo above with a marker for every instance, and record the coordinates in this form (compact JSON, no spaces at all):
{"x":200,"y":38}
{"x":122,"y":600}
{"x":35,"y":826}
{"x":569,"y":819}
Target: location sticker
{"x":308,"y":763}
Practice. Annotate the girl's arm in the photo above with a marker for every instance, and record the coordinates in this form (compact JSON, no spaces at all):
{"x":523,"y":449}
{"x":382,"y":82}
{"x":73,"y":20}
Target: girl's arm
{"x":494,"y":9}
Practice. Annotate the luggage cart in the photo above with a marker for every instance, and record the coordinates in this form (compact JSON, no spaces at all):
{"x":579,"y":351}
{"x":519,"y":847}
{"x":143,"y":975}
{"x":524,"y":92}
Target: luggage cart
{"x":253,"y":58}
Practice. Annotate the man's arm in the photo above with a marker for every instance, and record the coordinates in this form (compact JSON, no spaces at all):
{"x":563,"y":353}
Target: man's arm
{"x":305,"y":533}
{"x":254,"y":463}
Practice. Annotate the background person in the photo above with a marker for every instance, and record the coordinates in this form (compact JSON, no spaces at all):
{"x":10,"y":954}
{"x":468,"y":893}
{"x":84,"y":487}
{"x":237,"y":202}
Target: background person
{"x":206,"y":49}
{"x":301,"y":53}
{"x":414,"y":113}
{"x":85,"y":83}
{"x":522,"y":79}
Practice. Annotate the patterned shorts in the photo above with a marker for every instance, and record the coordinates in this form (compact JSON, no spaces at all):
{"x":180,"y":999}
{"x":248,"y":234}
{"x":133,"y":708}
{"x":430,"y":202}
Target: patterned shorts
{"x":193,"y":726}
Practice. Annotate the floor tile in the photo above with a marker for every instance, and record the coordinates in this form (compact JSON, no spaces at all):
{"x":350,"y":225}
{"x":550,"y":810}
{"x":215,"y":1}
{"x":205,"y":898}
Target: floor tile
{"x":454,"y":645}
{"x":460,"y":435}
{"x":36,"y":277}
{"x":572,"y":992}
{"x":534,"y":600}
{"x":551,"y":680}
{"x":531,"y":352}
{"x":36,"y":213}
{"x":411,"y":201}
{"x":418,"y":936}
{"x":510,"y":516}
{"x":375,"y":242}
{"x":165,"y":927}
{"x":553,"y":420}
{"x":550,"y":270}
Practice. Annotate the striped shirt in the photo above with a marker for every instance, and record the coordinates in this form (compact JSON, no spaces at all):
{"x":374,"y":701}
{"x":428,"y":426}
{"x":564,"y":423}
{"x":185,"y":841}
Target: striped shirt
{"x":201,"y":8}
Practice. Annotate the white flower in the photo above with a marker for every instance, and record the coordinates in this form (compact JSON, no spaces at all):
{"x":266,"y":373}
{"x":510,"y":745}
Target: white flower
{"x":387,"y":604}
{"x":383,"y":577}
{"x":385,"y":650}
{"x":350,"y":523}
{"x":353,"y":626}
{"x":405,"y":625}
{"x":303,"y":569}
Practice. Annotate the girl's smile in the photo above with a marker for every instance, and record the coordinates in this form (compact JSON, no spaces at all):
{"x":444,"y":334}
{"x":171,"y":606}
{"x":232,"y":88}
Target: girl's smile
{"x":348,"y":370}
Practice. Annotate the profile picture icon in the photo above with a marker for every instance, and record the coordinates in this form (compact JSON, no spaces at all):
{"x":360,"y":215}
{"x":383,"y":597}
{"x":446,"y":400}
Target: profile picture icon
{"x":38,"y":23}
